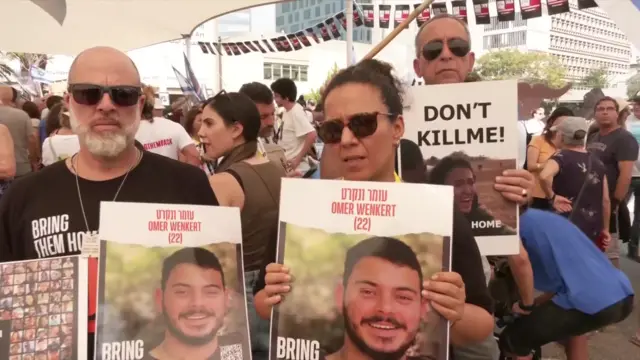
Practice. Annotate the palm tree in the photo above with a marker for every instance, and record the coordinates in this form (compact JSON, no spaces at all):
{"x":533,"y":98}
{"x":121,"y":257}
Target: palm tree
{"x":27,"y":60}
{"x":6,"y":72}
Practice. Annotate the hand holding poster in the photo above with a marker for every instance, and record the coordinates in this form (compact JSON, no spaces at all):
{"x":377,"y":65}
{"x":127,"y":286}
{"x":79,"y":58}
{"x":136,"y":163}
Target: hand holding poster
{"x":43,"y":309}
{"x":359,"y":256}
{"x":468,"y":134}
{"x":171,"y":283}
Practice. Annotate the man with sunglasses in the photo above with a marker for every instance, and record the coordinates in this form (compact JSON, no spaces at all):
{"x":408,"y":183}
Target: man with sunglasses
{"x":444,"y":56}
{"x":53,"y":212}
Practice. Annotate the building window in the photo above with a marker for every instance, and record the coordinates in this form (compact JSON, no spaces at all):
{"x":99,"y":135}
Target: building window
{"x":307,"y":14}
{"x":267,"y":71}
{"x":275,"y":71}
{"x":290,"y":18}
{"x":280,"y":20}
{"x":505,"y":40}
{"x":318,"y":11}
{"x":327,"y":9}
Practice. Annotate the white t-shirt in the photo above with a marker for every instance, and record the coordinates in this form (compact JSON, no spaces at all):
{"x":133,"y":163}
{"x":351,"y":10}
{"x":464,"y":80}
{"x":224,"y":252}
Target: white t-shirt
{"x":295,"y":125}
{"x":163,"y":137}
{"x":59,"y":147}
{"x":633,"y":126}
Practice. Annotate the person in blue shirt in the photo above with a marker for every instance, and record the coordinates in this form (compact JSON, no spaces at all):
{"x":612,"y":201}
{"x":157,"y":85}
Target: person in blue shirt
{"x":582,"y":291}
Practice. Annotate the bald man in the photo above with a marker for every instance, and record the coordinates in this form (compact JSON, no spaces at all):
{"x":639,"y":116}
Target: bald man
{"x":104,"y":99}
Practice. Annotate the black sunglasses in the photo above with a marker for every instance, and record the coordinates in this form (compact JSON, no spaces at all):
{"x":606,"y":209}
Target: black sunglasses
{"x":90,"y":94}
{"x":361,"y":125}
{"x":457,"y":46}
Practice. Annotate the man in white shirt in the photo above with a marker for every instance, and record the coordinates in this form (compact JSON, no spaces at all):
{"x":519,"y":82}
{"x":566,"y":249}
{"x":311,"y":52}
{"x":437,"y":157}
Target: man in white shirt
{"x":297,"y":135}
{"x":165,"y":137}
{"x":633,"y":126}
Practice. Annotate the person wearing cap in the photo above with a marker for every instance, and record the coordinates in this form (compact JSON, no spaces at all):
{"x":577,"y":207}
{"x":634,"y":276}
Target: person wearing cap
{"x":575,"y":182}
{"x":63,"y":142}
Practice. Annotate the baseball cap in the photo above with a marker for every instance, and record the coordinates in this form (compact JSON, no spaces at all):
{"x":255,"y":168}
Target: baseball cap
{"x":573,"y":130}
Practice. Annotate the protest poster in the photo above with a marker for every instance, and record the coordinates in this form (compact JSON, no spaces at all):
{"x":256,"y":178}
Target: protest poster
{"x":43,"y":309}
{"x":171,"y":283}
{"x":358,"y":256}
{"x":468,"y":136}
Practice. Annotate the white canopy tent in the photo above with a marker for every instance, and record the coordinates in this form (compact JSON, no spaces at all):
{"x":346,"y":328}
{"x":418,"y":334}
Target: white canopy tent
{"x":67,"y":27}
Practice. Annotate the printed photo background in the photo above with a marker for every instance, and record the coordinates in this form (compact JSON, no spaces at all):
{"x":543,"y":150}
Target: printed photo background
{"x":316,"y":259}
{"x":474,"y":194}
{"x":129,"y":278}
{"x":39,"y":310}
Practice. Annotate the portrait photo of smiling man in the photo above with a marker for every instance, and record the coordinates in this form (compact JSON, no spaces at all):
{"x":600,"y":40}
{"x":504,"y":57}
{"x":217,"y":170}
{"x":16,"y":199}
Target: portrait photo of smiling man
{"x":380,"y":300}
{"x":193,"y":301}
{"x":359,"y":296}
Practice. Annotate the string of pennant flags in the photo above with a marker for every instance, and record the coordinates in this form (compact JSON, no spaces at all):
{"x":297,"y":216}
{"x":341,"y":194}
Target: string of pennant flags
{"x":366,"y":15}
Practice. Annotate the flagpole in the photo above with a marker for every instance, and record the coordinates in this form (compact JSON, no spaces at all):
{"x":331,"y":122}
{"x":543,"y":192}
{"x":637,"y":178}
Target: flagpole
{"x":349,"y":15}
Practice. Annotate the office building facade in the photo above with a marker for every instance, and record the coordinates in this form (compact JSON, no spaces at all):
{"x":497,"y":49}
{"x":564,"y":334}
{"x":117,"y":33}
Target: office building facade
{"x":582,"y":40}
{"x":301,"y":14}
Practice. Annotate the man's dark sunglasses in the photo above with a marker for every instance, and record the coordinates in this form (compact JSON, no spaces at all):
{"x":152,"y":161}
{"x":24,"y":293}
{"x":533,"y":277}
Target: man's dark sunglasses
{"x":457,"y":46}
{"x":361,"y":125}
{"x":90,"y":94}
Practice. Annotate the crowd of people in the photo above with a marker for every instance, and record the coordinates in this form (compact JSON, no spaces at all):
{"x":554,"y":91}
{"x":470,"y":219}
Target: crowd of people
{"x":108,"y":139}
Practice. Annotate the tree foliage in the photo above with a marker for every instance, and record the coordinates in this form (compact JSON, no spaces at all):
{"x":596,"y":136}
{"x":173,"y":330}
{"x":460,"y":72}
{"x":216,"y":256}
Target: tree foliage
{"x":316,"y":94}
{"x":597,"y":78}
{"x":28,"y":59}
{"x":532,"y":67}
{"x":633,"y":85}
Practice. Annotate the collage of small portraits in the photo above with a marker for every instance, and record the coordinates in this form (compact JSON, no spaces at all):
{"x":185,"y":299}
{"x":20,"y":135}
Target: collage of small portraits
{"x":37,"y":306}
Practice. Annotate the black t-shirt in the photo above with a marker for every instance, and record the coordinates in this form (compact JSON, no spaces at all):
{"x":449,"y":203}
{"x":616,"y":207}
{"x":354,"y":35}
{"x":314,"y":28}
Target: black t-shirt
{"x":587,"y":211}
{"x":465,"y":257}
{"x":40,"y":214}
{"x":618,"y":145}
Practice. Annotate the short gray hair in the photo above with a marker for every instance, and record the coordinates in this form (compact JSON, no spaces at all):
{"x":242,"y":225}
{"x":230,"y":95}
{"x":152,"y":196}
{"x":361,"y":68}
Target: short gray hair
{"x":435,"y":18}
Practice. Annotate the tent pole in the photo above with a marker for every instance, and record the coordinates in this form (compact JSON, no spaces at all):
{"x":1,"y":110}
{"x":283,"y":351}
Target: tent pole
{"x":349,"y":16}
{"x":219,"y":63}
{"x":187,"y":43}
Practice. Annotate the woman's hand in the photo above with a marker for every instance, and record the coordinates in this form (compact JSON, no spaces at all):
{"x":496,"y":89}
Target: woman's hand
{"x":515,"y":185}
{"x":446,"y":292}
{"x":277,"y":283}
{"x":561,"y":204}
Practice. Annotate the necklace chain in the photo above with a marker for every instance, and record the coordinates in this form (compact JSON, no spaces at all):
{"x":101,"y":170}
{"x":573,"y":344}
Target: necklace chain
{"x":75,"y":170}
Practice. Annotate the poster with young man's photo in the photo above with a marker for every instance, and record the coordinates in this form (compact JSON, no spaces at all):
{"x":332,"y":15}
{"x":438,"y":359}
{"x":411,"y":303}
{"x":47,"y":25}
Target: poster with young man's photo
{"x":171,"y":283}
{"x":359,"y":257}
{"x":468,"y":136}
{"x":43,"y":309}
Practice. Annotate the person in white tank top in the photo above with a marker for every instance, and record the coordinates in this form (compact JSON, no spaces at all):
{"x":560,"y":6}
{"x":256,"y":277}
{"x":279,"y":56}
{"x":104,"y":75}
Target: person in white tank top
{"x":62,"y":143}
{"x":163,"y":136}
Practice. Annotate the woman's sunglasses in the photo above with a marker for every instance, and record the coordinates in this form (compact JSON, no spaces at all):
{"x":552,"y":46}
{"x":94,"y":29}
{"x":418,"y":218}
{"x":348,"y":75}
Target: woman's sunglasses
{"x":89,"y":94}
{"x":361,"y":125}
{"x":457,"y":46}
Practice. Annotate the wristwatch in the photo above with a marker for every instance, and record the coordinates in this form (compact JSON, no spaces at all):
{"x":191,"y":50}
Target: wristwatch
{"x":526,"y":307}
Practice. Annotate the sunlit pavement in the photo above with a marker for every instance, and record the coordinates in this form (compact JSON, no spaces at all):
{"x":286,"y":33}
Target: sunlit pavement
{"x":613,"y":343}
